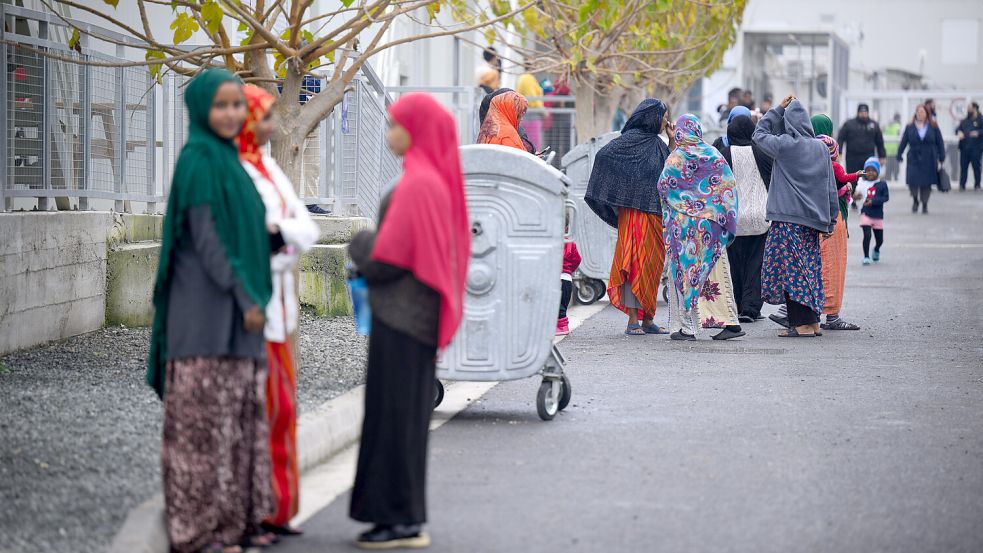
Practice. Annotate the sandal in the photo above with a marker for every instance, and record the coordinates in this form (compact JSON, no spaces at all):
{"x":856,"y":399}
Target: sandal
{"x":839,"y":324}
{"x":792,"y":333}
{"x":634,"y":330}
{"x":285,"y":530}
{"x":654,"y":329}
{"x":220,"y":548}
{"x":261,"y":540}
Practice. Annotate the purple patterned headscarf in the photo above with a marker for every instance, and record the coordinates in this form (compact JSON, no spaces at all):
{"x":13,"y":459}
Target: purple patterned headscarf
{"x":699,"y":208}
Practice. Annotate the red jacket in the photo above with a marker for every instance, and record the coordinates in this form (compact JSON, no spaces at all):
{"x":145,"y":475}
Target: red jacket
{"x":571,"y":258}
{"x":843,"y":178}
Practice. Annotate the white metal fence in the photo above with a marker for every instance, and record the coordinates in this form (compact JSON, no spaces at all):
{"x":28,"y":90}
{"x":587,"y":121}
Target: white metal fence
{"x":77,"y":131}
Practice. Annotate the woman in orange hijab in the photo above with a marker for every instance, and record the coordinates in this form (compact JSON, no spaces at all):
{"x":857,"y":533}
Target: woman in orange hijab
{"x":501,"y":126}
{"x":292,"y":233}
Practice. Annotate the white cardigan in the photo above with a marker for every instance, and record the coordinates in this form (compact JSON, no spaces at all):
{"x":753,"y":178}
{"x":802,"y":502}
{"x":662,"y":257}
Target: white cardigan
{"x":285,"y":210}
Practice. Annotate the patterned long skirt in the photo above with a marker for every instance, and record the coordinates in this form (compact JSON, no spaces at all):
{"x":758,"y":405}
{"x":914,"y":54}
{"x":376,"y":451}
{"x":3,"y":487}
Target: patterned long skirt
{"x":793,"y":265}
{"x":215,"y":451}
{"x":834,"y":250}
{"x":281,"y":406}
{"x":639,"y":258}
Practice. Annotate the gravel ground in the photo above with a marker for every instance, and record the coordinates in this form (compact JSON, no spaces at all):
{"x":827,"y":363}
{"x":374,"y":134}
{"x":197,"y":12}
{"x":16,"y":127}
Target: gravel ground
{"x":80,"y":431}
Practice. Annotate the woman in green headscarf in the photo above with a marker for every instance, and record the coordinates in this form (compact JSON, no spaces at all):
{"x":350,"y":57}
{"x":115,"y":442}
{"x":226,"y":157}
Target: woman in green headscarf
{"x":822,"y":124}
{"x":207,"y":349}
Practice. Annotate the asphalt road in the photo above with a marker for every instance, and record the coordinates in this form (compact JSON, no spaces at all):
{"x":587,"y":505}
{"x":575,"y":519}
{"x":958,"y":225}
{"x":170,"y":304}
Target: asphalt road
{"x":862,"y":441}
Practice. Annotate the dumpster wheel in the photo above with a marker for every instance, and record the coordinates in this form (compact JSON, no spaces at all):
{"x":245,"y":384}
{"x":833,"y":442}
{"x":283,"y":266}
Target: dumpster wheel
{"x":438,"y":393}
{"x":590,"y":290}
{"x":566,"y":393}
{"x":548,"y":398}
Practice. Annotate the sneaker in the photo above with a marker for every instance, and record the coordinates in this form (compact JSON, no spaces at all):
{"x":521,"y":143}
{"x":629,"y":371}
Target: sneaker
{"x":394,"y":537}
{"x":867,"y":261}
{"x":315,"y":209}
{"x":680,"y":335}
{"x":876,"y":256}
{"x":562,"y":326}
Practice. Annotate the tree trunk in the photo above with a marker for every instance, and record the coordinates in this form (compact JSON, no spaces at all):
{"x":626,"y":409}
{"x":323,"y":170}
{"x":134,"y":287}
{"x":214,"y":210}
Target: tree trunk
{"x":595,"y":108}
{"x":294,"y":122}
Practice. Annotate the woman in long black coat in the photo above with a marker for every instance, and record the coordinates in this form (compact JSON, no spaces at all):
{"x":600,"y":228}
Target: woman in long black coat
{"x":926,"y":154}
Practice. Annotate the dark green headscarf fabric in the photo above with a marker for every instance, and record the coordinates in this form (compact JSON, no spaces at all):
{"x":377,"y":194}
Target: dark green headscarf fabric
{"x":209,"y":172}
{"x":822,"y":124}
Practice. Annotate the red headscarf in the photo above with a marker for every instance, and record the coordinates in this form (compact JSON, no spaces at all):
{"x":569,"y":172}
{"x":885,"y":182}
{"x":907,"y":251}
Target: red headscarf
{"x":426,"y":228}
{"x":258,"y":104}
{"x":502,"y":122}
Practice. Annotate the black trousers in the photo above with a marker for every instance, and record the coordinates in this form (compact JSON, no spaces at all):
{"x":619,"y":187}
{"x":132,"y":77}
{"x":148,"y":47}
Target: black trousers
{"x":800,"y":315}
{"x":390,"y":484}
{"x":878,"y":236}
{"x":967,"y":158}
{"x":920,"y":194}
{"x":745,"y":254}
{"x":567,"y":292}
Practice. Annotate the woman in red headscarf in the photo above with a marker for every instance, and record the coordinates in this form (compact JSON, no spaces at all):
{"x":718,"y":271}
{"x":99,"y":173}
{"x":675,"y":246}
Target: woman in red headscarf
{"x":415,"y":267}
{"x":293,"y":232}
{"x":501,"y":125}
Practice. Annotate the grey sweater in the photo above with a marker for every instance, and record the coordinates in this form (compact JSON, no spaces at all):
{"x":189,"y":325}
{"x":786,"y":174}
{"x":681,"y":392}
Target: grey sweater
{"x":803,"y":189}
{"x":207,"y":302}
{"x":397,"y":298}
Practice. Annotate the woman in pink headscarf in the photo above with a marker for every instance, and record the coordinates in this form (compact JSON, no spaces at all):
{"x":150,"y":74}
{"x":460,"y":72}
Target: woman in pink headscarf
{"x":415,"y":267}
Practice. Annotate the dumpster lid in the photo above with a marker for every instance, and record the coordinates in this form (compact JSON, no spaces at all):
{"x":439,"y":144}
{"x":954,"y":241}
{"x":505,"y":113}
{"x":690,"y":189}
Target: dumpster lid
{"x":493,"y":159}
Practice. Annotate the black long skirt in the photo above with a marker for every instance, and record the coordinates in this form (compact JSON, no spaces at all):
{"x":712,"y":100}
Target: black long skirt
{"x":390,"y":485}
{"x":746,"y":254}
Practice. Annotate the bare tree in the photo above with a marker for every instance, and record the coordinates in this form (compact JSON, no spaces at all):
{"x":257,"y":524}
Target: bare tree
{"x":284,"y":41}
{"x":634,"y":47}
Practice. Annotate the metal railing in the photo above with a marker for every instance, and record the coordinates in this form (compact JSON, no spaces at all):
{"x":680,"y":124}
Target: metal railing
{"x":82,"y":131}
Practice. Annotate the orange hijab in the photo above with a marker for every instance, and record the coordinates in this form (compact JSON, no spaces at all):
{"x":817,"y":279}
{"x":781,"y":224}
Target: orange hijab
{"x":502,"y":123}
{"x":258,"y":104}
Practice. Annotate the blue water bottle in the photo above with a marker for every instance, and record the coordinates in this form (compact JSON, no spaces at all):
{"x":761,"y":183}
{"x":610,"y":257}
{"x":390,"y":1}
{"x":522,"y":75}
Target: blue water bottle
{"x":358,"y":291}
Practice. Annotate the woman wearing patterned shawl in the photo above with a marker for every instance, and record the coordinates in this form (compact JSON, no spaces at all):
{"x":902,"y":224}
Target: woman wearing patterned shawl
{"x":699,"y":210}
{"x":623,"y":192}
{"x":501,"y":125}
{"x":293,"y":233}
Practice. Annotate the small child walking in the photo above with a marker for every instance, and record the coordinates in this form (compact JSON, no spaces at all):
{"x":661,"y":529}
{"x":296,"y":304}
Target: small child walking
{"x":571,"y":261}
{"x":872,"y":197}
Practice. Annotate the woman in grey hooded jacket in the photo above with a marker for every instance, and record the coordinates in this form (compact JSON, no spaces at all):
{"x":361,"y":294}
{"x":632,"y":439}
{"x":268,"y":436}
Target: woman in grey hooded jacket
{"x":802,"y":204}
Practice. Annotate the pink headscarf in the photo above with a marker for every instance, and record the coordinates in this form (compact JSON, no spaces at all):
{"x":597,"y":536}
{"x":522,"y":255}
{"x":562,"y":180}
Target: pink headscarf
{"x":426,"y":228}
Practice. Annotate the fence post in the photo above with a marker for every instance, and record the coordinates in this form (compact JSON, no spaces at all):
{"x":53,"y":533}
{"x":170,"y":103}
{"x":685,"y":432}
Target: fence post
{"x":86,"y":127}
{"x":151,"y":130}
{"x":120,"y":183}
{"x":165,"y":170}
{"x":44,"y":201}
{"x":7,"y":158}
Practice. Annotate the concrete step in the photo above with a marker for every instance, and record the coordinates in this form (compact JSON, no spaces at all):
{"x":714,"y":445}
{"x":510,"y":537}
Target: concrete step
{"x":131,"y":271}
{"x":339,"y":230}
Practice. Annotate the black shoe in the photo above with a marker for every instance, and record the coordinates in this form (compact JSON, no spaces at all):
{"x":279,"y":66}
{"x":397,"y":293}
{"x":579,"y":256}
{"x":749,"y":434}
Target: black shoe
{"x":680,"y":335}
{"x":924,"y":209}
{"x":779,"y":320}
{"x":914,"y":207}
{"x":746,"y":319}
{"x":729,"y":332}
{"x":315,"y":209}
{"x":399,"y":536}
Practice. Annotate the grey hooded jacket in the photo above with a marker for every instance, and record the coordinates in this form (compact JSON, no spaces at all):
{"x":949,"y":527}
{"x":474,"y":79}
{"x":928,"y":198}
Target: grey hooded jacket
{"x":803,"y":189}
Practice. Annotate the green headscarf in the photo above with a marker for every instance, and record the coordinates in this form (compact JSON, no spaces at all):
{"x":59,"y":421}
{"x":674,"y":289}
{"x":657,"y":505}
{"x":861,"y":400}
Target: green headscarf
{"x":822,"y":124}
{"x":209,"y":172}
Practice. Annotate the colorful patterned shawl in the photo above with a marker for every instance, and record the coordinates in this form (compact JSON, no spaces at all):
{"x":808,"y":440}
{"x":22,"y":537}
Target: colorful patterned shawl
{"x":699,"y":208}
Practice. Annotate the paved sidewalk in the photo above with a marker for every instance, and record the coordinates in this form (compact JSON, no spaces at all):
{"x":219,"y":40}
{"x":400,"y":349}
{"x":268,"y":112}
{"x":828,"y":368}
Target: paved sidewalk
{"x":856,"y":441}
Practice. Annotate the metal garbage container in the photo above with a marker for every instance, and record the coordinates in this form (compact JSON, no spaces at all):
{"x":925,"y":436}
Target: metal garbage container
{"x":595,"y":239}
{"x":516,"y":205}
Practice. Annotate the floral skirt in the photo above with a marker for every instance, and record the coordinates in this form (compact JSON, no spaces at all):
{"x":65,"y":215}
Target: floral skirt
{"x":215,"y":451}
{"x":793,"y":265}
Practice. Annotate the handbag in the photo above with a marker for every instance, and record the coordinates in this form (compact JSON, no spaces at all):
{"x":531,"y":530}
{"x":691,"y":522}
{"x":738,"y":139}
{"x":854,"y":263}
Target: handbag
{"x":358,"y":291}
{"x":945,"y":184}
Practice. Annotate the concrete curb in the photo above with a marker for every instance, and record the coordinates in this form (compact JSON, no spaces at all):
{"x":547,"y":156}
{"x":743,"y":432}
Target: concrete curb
{"x":322,"y":433}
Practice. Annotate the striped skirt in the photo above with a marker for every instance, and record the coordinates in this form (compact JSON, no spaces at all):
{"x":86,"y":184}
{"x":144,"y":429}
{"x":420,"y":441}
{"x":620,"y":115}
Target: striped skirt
{"x":281,"y":406}
{"x":639,"y":258}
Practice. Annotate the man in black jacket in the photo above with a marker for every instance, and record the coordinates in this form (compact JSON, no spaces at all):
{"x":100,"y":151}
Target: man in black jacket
{"x":970,"y":134}
{"x":861,"y":138}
